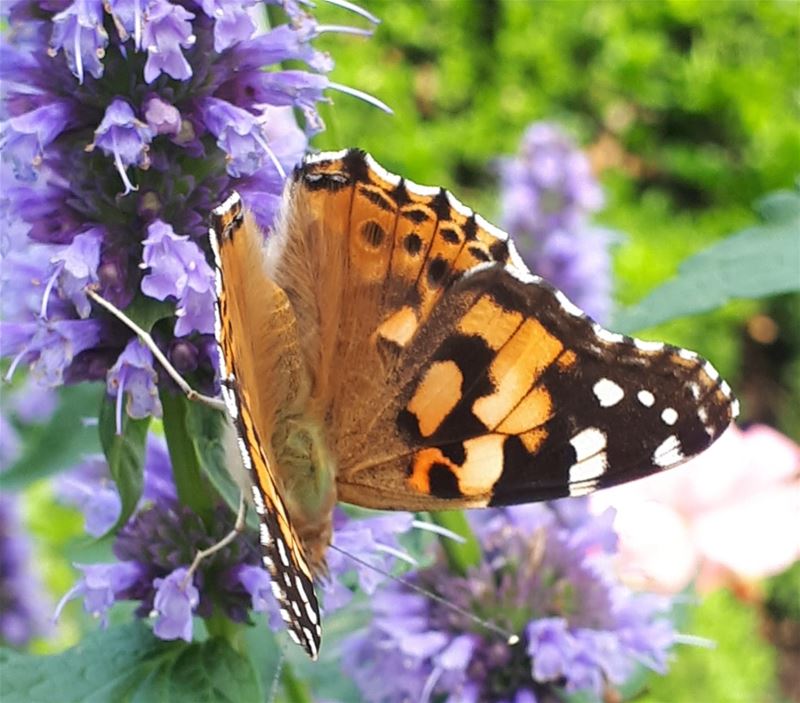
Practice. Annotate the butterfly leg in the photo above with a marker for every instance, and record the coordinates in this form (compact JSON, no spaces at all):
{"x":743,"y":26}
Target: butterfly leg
{"x":238,"y":527}
{"x":149,"y":342}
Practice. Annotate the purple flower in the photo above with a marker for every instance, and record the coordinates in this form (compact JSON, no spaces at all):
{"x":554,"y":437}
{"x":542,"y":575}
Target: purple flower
{"x":22,"y":602}
{"x":179,"y":269}
{"x":76,"y":267}
{"x":548,"y":194}
{"x":49,"y":347}
{"x":240,"y":135}
{"x":232,"y":21}
{"x":175,"y":599}
{"x":78,"y":31}
{"x":167,"y":28}
{"x":89,"y":488}
{"x":134,"y":374}
{"x":546,"y":579}
{"x":23,"y":138}
{"x":161,"y":117}
{"x":123,"y":137}
{"x":100,"y":586}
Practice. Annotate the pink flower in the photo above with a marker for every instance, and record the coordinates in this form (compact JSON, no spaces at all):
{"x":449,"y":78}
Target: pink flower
{"x":727,"y":516}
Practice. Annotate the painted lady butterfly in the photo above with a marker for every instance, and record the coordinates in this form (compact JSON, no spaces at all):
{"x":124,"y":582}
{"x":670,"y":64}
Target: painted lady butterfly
{"x":388,"y":347}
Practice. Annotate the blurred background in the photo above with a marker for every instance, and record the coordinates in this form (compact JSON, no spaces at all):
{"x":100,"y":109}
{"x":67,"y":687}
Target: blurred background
{"x":687,"y":112}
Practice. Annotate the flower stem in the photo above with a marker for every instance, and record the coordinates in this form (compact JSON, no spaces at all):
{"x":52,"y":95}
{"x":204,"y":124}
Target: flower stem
{"x":460,"y":556}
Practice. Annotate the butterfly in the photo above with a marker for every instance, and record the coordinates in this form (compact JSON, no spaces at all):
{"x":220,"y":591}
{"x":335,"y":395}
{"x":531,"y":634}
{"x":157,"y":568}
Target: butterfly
{"x":387,"y":347}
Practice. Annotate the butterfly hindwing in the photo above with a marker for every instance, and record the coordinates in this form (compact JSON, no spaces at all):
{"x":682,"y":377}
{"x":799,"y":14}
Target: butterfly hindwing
{"x":246,"y":302}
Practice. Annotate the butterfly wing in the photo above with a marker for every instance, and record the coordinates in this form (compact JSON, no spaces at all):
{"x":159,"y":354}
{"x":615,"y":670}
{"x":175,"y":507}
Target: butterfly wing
{"x":248,"y":308}
{"x":455,"y":378}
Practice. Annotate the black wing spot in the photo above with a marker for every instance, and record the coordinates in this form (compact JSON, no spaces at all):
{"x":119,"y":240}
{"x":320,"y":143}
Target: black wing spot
{"x":479,"y":253}
{"x":437,"y":271}
{"x":441,"y":205}
{"x":416,"y":215}
{"x":412,"y":243}
{"x":373,"y":233}
{"x":377,"y":198}
{"x":499,"y":251}
{"x":443,"y":482}
{"x":450,"y":235}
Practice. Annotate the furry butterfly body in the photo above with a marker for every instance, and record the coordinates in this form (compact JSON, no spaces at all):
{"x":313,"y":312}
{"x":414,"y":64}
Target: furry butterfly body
{"x":387,"y":347}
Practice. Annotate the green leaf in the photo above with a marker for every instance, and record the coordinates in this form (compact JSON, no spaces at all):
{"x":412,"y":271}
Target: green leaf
{"x":60,"y":442}
{"x":189,"y":481}
{"x":759,"y":261}
{"x":207,"y":428}
{"x":127,"y":663}
{"x":125,"y":455}
{"x":460,"y":556}
{"x":145,"y":311}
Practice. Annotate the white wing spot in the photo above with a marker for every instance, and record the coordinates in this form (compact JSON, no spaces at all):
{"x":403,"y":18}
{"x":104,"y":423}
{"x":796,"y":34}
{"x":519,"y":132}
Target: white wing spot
{"x":294,"y":637}
{"x":264,"y":535}
{"x":258,"y":501}
{"x":687,"y":354}
{"x":725,"y":388}
{"x":268,"y":563}
{"x":496,"y":232}
{"x":310,"y":641}
{"x":302,"y":591}
{"x":458,"y":206}
{"x":373,"y":165}
{"x":424,"y":191}
{"x":646,"y":398}
{"x":669,"y":416}
{"x":325,"y":156}
{"x":713,"y":374}
{"x":702,"y":413}
{"x":229,"y":204}
{"x":588,"y":469}
{"x":606,"y":336}
{"x":695,"y":390}
{"x":312,"y":614}
{"x":648,"y":346}
{"x":286,"y":615}
{"x":582,"y":489}
{"x":608,"y":393}
{"x":277,"y":591}
{"x":668,"y":452}
{"x":296,"y":609}
{"x":282,"y":551}
{"x":588,"y":443}
{"x":568,"y":305}
{"x":735,"y":408}
{"x":245,"y":454}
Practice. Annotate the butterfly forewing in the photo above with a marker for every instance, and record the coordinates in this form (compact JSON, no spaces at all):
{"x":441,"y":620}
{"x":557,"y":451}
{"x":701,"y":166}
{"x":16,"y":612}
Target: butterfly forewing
{"x":244,"y":314}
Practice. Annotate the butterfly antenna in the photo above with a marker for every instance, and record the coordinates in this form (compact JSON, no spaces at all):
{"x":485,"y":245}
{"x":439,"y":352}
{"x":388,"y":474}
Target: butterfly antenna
{"x":510,"y":637}
{"x":149,"y":342}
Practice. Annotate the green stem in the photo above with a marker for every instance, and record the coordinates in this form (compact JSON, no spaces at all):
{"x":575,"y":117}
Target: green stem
{"x":295,"y":689}
{"x":218,"y":625}
{"x":460,"y":556}
{"x":193,"y":490}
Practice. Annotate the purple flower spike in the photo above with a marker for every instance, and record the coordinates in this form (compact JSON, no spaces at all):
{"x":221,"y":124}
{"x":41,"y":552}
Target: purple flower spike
{"x":76,"y":268}
{"x":24,"y":138}
{"x":167,"y":27}
{"x":100,"y":586}
{"x":78,"y":30}
{"x":175,"y":599}
{"x":133,"y":373}
{"x":549,"y":193}
{"x":124,"y":137}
